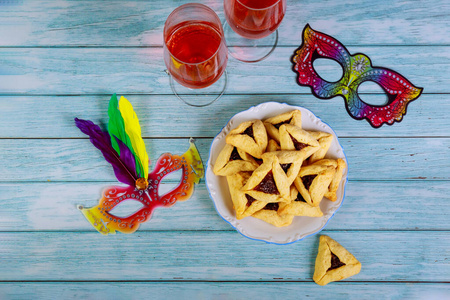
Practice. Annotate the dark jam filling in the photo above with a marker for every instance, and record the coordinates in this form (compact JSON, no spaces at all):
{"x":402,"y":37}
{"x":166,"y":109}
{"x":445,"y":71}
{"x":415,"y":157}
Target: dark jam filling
{"x":335,"y":262}
{"x":249,"y":132}
{"x":285,"y":167}
{"x":271,"y":206}
{"x":259,"y":161}
{"x":250,"y":199}
{"x":307,"y":180}
{"x":235,"y":155}
{"x":297,"y":144}
{"x":300,"y":198}
{"x":277,"y":126}
{"x":267,"y":185}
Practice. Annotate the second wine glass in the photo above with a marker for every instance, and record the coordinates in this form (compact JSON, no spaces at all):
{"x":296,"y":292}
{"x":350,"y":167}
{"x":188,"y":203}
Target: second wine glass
{"x":251,"y":27}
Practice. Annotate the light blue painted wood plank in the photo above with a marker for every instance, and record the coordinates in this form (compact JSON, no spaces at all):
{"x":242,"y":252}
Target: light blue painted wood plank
{"x":216,"y":256}
{"x":78,"y":160}
{"x":52,"y":117}
{"x":227,"y":290}
{"x":140,"y":23}
{"x":128,"y":71}
{"x":367,"y":206}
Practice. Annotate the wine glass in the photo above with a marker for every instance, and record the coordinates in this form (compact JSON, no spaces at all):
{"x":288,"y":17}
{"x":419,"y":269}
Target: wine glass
{"x":195,"y":54}
{"x":251,"y":27}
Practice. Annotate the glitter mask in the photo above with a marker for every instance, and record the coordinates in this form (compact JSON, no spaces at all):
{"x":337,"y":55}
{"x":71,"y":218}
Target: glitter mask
{"x":357,"y":69}
{"x":123,"y":147}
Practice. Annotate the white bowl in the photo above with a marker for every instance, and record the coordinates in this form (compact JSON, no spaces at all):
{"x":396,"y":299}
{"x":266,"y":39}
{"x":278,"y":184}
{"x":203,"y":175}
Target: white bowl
{"x":256,"y":229}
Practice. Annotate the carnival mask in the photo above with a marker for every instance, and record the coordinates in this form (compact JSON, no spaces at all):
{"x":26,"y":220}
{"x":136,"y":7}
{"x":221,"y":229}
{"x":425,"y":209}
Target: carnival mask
{"x":357,"y":69}
{"x":123,"y":147}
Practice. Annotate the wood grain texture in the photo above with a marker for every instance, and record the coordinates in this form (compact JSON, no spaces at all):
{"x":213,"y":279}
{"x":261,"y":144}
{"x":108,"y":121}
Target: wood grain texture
{"x":69,"y":71}
{"x":140,"y":23}
{"x":426,"y":117}
{"x":78,"y":160}
{"x":223,"y":290}
{"x":372,"y":205}
{"x":63,"y":59}
{"x":217,"y":256}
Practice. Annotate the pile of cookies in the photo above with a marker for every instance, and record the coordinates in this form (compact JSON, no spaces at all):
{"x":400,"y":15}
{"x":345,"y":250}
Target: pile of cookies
{"x":276,"y":170}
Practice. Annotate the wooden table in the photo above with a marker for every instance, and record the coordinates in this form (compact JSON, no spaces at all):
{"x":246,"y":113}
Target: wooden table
{"x":64,"y":59}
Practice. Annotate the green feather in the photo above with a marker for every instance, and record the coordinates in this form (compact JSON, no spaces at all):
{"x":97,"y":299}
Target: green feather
{"x":116,"y":128}
{"x":116,"y":125}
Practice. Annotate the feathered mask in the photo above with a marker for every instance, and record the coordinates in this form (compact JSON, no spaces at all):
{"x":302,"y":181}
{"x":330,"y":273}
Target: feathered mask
{"x":123,"y":147}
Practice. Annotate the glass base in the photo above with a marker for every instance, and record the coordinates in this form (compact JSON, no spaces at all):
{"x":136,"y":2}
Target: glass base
{"x":248,"y":50}
{"x":200,"y":97}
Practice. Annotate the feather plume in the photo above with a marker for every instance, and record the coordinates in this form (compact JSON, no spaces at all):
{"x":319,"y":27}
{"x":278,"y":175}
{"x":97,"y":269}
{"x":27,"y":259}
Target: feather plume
{"x":133,"y":130}
{"x":123,"y":164}
{"x":116,"y":125}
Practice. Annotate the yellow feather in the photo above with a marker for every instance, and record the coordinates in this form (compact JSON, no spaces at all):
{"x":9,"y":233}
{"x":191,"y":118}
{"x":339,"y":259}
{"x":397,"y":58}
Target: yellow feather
{"x":133,"y":130}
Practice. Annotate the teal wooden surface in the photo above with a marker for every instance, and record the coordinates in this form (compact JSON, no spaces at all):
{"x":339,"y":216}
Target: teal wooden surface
{"x":75,"y":71}
{"x":369,"y":158}
{"x":139,"y":23}
{"x":424,"y":118}
{"x":216,"y":256}
{"x":224,"y":290}
{"x":378,"y":205}
{"x":63,"y":59}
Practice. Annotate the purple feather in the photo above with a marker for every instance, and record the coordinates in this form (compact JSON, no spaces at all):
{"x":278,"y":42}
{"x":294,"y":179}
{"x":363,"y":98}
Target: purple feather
{"x":124,"y":165}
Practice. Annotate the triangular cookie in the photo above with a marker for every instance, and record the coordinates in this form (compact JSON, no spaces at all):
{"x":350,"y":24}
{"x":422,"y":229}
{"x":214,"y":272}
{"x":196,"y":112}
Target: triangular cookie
{"x":232,"y":160}
{"x":290,"y":162}
{"x":312,"y":182}
{"x":268,"y":182}
{"x":299,"y":207}
{"x":325,"y":139}
{"x":339,"y":165}
{"x":273,"y":124}
{"x":272,"y":146}
{"x":334,"y":262}
{"x":243,"y":204}
{"x":295,"y":138}
{"x":326,"y":162}
{"x":270,"y":215}
{"x":250,"y":136}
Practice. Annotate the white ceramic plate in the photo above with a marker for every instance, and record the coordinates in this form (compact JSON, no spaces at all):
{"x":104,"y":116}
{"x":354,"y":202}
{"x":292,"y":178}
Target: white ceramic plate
{"x":256,"y":229}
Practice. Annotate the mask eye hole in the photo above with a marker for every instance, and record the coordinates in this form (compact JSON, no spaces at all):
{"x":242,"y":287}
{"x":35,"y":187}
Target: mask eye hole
{"x":328,"y":69}
{"x":126,"y":208}
{"x":170,"y":182}
{"x":372,"y":93}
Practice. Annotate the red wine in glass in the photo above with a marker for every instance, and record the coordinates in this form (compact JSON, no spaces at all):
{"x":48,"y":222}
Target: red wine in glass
{"x":254,"y":19}
{"x":195,"y":52}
